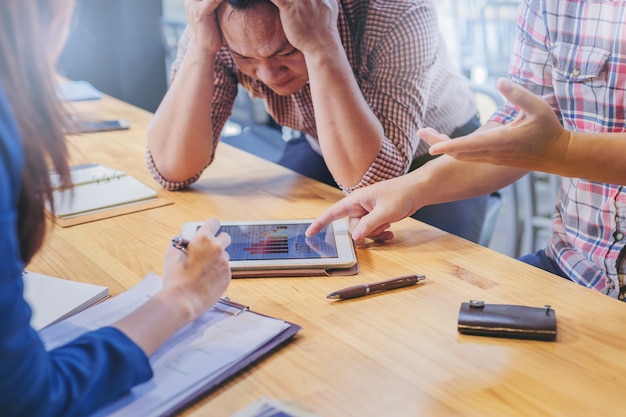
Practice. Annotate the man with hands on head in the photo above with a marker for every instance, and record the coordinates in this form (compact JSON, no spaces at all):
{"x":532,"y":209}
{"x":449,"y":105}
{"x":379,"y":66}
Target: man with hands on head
{"x":357,"y":78}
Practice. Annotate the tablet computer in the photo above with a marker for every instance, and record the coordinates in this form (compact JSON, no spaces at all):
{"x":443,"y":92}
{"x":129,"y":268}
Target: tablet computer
{"x":280,"y":245}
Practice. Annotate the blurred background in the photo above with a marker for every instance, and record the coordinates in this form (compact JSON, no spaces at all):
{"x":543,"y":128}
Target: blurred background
{"x":125,"y":48}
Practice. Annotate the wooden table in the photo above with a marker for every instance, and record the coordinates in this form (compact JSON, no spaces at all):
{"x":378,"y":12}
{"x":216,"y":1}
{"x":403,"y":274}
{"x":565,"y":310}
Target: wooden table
{"x":392,"y":354}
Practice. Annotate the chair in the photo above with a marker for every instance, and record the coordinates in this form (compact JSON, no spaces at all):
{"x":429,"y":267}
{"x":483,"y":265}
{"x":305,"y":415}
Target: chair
{"x":485,"y":32}
{"x":494,"y":206}
{"x":499,"y":28}
{"x":249,"y":111}
{"x":256,"y":135}
{"x":263,"y":141}
{"x":527,"y":204}
{"x":488,"y":99}
{"x":536,"y":195}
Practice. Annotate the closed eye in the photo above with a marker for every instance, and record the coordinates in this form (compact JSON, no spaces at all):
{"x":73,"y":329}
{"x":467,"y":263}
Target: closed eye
{"x":288,"y":53}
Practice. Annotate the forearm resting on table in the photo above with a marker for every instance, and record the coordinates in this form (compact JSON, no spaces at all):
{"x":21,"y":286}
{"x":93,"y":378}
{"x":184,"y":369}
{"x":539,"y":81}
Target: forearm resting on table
{"x":180,"y":136}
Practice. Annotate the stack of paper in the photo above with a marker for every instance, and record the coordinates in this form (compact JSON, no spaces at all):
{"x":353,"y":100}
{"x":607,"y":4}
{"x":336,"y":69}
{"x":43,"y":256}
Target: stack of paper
{"x":54,"y":299}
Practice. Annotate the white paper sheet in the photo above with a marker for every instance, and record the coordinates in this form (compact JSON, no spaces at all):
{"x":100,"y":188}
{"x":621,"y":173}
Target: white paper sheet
{"x":53,"y":299}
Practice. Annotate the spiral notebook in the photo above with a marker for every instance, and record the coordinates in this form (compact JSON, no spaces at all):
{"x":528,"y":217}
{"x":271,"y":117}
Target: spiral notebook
{"x":100,"y":192}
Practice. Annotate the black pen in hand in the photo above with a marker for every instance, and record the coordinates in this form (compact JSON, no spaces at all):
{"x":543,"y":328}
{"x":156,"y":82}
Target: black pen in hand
{"x":181,"y":244}
{"x":365,"y":289}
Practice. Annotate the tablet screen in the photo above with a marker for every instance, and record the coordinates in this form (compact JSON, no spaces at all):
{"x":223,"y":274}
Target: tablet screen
{"x":278,"y":241}
{"x":281,"y":244}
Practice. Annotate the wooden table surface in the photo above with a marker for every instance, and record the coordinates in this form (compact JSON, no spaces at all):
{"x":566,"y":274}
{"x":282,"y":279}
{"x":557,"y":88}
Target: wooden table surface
{"x":393,"y":354}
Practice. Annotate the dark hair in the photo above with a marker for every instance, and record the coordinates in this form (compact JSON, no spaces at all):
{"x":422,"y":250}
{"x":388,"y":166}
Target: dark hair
{"x":246,"y":4}
{"x":27,"y":76}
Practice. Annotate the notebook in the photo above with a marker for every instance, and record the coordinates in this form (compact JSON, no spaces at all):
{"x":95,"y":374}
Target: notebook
{"x":78,"y":91}
{"x":100,"y":192}
{"x":53,"y":299}
{"x":214,"y":348}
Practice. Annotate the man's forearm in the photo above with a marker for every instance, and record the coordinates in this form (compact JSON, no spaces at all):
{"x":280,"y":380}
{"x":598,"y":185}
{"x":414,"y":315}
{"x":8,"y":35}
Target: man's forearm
{"x":350,"y":135}
{"x":180,"y":136}
{"x":446,"y":179}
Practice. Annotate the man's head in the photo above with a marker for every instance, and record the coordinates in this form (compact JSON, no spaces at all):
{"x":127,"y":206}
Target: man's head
{"x":253,"y":32}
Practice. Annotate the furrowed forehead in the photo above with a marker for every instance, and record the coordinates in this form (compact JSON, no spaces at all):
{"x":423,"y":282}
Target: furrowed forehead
{"x":254,"y":32}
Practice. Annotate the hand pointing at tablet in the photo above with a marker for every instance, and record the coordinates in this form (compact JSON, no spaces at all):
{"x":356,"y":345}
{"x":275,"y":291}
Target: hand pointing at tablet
{"x":371,"y":210}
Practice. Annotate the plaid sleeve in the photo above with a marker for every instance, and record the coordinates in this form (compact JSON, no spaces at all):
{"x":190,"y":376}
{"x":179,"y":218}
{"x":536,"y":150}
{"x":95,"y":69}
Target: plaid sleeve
{"x":398,"y":83}
{"x":530,"y":64}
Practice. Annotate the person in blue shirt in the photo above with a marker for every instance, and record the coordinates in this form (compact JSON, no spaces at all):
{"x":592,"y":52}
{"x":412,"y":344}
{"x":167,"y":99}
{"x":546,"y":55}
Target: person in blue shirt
{"x":81,"y":376}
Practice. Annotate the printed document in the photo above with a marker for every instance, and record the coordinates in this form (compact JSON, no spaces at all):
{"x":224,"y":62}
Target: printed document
{"x":193,"y":356}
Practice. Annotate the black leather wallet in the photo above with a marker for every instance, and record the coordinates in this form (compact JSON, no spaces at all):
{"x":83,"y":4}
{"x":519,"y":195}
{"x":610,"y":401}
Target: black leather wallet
{"x":505,"y":320}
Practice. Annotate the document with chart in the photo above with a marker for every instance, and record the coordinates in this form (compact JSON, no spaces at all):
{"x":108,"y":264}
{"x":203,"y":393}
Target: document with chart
{"x":196,"y":359}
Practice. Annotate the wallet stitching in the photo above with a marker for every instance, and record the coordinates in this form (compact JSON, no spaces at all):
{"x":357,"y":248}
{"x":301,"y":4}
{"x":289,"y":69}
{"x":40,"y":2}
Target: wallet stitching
{"x":506,"y":329}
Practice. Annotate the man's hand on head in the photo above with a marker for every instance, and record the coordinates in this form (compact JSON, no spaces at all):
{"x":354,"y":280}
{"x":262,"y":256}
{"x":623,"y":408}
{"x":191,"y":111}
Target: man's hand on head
{"x":202,"y":22}
{"x":309,"y":25}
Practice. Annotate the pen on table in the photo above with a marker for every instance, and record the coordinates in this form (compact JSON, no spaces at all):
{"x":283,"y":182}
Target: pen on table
{"x":365,"y":289}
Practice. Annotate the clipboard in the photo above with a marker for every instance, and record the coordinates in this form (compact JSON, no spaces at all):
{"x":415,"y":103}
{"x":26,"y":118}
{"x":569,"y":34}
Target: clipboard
{"x":218,"y":346}
{"x":273,"y":345}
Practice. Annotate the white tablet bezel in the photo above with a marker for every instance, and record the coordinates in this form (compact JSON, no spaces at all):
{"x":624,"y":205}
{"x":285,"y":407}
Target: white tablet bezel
{"x":346,"y":256}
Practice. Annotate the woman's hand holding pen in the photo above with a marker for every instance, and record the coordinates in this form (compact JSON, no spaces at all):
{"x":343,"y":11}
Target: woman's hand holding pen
{"x":198,"y":276}
{"x":195,"y":275}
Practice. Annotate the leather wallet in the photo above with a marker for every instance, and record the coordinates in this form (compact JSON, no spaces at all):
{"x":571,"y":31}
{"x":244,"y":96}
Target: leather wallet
{"x":505,"y":320}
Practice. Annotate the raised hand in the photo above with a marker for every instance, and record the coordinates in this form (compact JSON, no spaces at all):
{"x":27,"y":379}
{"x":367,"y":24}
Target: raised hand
{"x":535,"y":140}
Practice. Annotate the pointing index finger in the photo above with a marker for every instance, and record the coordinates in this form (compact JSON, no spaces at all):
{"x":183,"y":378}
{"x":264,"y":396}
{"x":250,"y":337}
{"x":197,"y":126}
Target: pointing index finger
{"x":334,"y":212}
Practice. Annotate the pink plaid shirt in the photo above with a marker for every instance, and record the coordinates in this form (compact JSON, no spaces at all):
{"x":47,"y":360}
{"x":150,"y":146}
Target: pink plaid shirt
{"x":402,"y":67}
{"x":573,"y":54}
